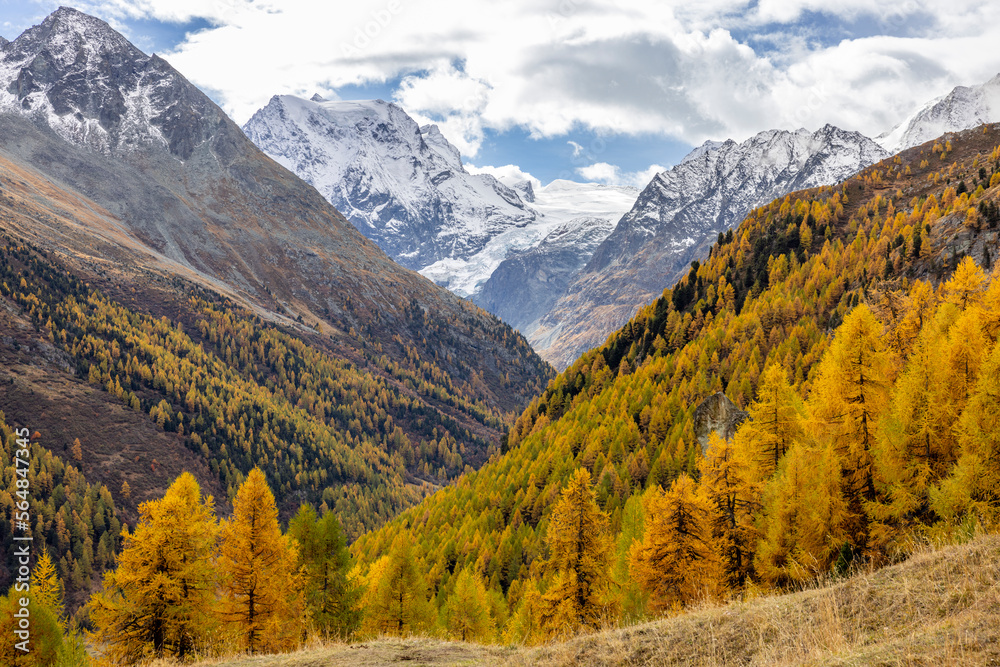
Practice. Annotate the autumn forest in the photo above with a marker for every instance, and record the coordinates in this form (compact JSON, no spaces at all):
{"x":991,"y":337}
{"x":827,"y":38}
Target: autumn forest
{"x":364,"y":495}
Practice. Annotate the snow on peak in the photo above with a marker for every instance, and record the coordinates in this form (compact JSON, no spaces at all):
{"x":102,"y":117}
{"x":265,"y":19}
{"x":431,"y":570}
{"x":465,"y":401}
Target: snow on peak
{"x":706,"y":148}
{"x":86,"y":81}
{"x":963,"y":108}
{"x":402,"y":185}
{"x":436,"y":141}
{"x":719,"y":183}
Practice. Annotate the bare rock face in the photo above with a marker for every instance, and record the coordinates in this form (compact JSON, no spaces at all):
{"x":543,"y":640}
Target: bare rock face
{"x":717,"y":413}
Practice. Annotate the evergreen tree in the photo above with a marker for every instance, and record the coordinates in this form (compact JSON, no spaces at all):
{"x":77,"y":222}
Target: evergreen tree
{"x":159,"y":601}
{"x":675,"y":562}
{"x":324,"y":563}
{"x":579,"y":560}
{"x":632,"y":599}
{"x":257,"y":567}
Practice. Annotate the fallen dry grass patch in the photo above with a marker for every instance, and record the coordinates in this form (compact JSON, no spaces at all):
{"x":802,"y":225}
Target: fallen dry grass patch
{"x":937,"y":608}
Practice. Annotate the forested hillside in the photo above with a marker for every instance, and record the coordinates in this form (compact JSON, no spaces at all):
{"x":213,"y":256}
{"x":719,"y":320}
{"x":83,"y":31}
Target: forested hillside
{"x":244,"y":393}
{"x":782,"y":317}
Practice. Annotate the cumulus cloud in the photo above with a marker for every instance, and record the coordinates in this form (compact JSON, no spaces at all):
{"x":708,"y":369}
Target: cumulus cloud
{"x":508,"y":174}
{"x":674,"y":69}
{"x":612,"y":174}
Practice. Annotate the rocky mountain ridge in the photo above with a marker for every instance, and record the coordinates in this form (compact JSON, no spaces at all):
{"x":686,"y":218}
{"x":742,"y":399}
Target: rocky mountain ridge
{"x":964,"y":108}
{"x":676,"y":219}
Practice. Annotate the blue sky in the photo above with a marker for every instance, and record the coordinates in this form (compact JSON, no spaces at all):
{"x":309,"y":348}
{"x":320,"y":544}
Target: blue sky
{"x":609,"y":90}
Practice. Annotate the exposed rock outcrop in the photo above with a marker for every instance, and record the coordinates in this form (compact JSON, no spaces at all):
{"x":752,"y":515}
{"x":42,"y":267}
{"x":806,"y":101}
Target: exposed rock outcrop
{"x":717,"y":413}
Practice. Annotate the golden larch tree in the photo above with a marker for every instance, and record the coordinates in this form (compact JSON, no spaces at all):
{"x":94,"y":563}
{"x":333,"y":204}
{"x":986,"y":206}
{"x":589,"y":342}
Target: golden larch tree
{"x":676,"y":561}
{"x":160,"y":600}
{"x":467,"y":611}
{"x":45,"y":585}
{"x":579,"y":561}
{"x":803,"y":518}
{"x":262,"y":601}
{"x":974,"y":484}
{"x":728,"y":484}
{"x":849,"y":398}
{"x":774,"y":422}
{"x":395,"y":600}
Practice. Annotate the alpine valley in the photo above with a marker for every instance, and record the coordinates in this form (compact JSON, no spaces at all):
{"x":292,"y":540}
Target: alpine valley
{"x":565,"y":265}
{"x":175,"y":300}
{"x":281,"y":389}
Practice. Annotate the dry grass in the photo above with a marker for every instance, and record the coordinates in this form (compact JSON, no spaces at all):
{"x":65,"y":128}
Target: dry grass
{"x":940,"y":607}
{"x":386,"y":651}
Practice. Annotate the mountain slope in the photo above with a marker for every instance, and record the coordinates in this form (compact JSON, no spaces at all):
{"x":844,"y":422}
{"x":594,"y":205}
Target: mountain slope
{"x":118,"y":174}
{"x":902,"y":614}
{"x":402,"y":185}
{"x":963,"y":108}
{"x":677,"y":218}
{"x":88,"y":110}
{"x":772,"y":294}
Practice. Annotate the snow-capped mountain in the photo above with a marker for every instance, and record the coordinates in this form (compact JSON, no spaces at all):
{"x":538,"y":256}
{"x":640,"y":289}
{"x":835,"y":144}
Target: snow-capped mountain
{"x":574,"y":219}
{"x":403,"y":186}
{"x":93,"y":88}
{"x":583,"y":213}
{"x":163,"y":185}
{"x":963,"y":108}
{"x":678,"y":216}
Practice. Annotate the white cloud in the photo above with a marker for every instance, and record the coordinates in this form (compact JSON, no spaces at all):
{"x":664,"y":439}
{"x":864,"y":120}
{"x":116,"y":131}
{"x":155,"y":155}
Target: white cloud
{"x":612,"y":66}
{"x":611,"y":174}
{"x":508,"y":174}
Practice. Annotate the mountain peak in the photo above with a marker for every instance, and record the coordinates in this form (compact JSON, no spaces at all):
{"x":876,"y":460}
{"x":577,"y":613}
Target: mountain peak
{"x":402,"y":185}
{"x":68,"y":35}
{"x":964,"y":108}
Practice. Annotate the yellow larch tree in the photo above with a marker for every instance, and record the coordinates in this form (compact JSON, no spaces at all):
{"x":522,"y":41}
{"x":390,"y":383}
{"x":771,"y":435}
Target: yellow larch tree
{"x":974,"y":484}
{"x":676,"y":561}
{"x":45,"y":585}
{"x":467,"y":611}
{"x":849,"y":398}
{"x":160,"y":600}
{"x":774,"y":422}
{"x":262,"y":602}
{"x":803,"y":517}
{"x":579,"y":562}
{"x":395,"y":600}
{"x":727,"y":483}
{"x":966,"y":286}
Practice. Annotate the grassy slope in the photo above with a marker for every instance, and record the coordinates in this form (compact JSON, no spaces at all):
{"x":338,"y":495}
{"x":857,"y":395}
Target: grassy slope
{"x":939,"y":607}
